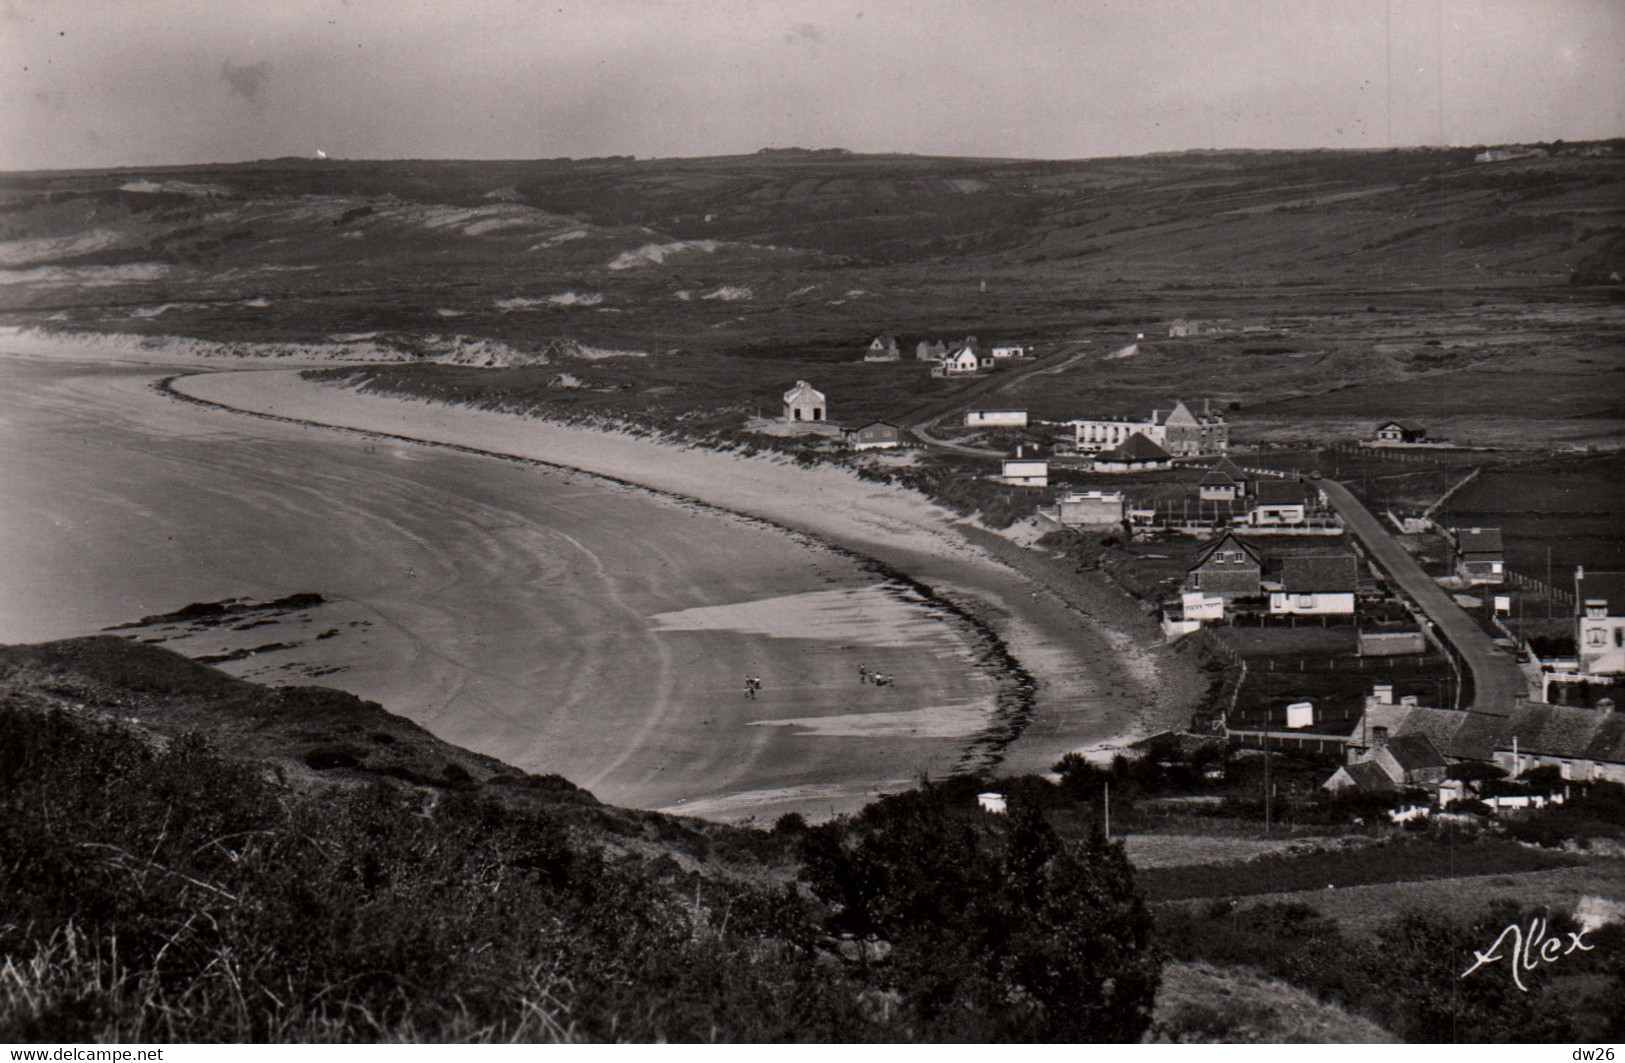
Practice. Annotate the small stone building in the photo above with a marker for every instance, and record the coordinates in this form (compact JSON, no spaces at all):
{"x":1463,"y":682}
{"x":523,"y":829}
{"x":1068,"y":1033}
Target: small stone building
{"x":805,"y":403}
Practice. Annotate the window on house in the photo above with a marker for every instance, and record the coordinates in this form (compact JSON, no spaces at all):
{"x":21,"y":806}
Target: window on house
{"x":1619,"y":637}
{"x":1596,"y":612}
{"x":1594,"y":637}
{"x":1196,"y":579}
{"x":1306,"y":601}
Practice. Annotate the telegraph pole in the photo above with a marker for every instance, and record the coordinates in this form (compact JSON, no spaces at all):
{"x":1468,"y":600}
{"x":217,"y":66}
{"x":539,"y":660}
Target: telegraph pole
{"x":1266,"y":779}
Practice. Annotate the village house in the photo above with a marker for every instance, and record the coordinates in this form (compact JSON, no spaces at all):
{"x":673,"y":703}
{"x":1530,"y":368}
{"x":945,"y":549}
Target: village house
{"x":1390,"y":763}
{"x":1217,"y":486}
{"x":1187,"y":435}
{"x":876,"y":435}
{"x":804,"y":403}
{"x":1314,"y":585}
{"x":882,"y":349}
{"x":1005,"y":352}
{"x":1479,"y":556}
{"x":1586,"y":745}
{"x":962,"y":362}
{"x":1090,"y":509}
{"x":1399,"y":432}
{"x":1226,"y":568}
{"x":1279,"y":502}
{"x":1136,"y":454}
{"x":1008,"y":418}
{"x":1599,"y":632}
{"x":1180,"y":328}
{"x":1026,"y":472}
{"x":930,"y":352}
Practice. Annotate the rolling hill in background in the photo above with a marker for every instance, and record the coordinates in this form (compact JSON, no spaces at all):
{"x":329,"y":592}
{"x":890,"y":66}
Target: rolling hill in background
{"x":1305,"y":268}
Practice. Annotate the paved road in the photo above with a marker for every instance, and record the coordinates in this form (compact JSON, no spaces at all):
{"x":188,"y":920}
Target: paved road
{"x":1497,"y":680}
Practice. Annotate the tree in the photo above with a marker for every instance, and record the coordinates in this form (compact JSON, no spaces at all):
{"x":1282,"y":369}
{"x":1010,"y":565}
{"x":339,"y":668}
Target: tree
{"x":999,"y":929}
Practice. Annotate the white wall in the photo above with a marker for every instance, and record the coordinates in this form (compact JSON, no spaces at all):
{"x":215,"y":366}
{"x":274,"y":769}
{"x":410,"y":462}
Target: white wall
{"x":1339,"y":603}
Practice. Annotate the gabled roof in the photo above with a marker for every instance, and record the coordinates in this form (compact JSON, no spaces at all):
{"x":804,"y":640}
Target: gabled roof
{"x":1230,"y":469}
{"x":1320,"y":573}
{"x":1180,"y":415}
{"x":1416,"y":752}
{"x":1404,"y":426}
{"x":1368,"y":777}
{"x":1453,"y":732}
{"x":1227,"y":541}
{"x":1559,"y":731}
{"x":870,"y":424}
{"x":1216,"y":478}
{"x":1478,"y":540}
{"x":802,"y":390}
{"x":884,"y":341}
{"x":1606,"y":587}
{"x":1137,"y":447}
{"x":1279,"y":493}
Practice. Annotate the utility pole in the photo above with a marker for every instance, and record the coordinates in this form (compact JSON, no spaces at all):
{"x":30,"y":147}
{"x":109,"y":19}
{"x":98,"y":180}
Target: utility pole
{"x":1106,"y":788}
{"x":1549,"y":588}
{"x":1266,"y":779}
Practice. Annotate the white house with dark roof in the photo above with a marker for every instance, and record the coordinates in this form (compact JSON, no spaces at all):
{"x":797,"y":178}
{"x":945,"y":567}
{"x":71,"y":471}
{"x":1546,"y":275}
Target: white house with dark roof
{"x":1480,"y":556}
{"x":1025,"y":472}
{"x":1277,"y":502}
{"x":1599,"y":622}
{"x":1390,"y":432}
{"x":962,"y":362}
{"x":805,"y":403}
{"x":1314,"y":585}
{"x":1218,"y":486}
{"x":882,"y":349}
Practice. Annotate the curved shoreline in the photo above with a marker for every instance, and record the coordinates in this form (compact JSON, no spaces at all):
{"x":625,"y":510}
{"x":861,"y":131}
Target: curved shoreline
{"x":1054,"y":663}
{"x":1015,"y":686}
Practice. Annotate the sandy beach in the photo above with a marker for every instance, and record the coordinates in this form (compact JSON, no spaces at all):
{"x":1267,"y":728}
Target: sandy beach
{"x":1099,"y":675}
{"x":595,"y":626}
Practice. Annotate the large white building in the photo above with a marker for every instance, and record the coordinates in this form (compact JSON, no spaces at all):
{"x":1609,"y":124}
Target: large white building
{"x":1599,"y":602}
{"x":1182,"y":433}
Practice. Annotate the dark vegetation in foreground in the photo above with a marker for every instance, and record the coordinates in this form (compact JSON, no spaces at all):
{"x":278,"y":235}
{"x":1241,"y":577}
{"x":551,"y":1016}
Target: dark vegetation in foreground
{"x":158,"y":889}
{"x":1408,"y":976}
{"x":316,"y":869}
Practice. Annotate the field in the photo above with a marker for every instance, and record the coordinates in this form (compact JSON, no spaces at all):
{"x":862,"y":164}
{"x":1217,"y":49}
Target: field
{"x":1330,"y":289}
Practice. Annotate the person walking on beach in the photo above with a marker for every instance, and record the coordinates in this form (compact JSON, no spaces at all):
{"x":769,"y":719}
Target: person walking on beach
{"x":863,"y":674}
{"x":750,"y":688}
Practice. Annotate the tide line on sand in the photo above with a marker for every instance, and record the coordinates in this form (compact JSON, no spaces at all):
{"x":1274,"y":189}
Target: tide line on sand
{"x":891,"y":530}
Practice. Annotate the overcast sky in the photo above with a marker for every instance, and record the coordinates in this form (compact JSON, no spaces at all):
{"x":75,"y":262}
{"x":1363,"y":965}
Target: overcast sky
{"x":91,"y":83}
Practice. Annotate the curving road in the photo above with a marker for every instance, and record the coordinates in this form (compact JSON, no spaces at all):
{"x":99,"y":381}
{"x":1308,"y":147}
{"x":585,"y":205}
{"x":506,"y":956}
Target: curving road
{"x":1497,"y":680}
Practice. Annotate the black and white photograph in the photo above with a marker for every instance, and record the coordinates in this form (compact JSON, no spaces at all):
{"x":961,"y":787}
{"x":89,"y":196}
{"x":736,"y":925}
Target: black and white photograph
{"x":1075,"y":522}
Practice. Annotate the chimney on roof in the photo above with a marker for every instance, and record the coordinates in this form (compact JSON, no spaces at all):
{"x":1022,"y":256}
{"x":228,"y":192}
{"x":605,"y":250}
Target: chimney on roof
{"x":1410,"y":700}
{"x":1379,"y":737}
{"x":1383,"y":693}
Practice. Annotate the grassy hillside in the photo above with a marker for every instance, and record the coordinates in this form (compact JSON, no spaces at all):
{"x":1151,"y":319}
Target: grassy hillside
{"x":1321,"y":279}
{"x":189,"y":857}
